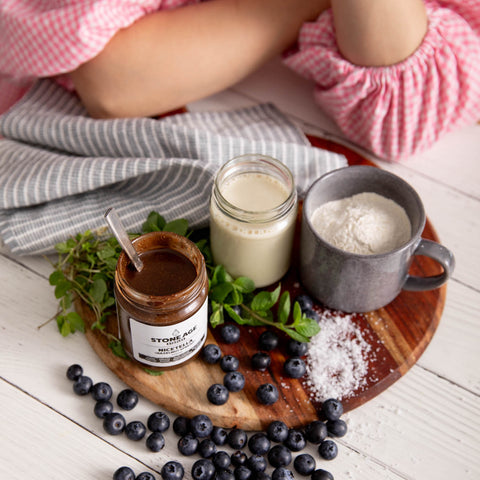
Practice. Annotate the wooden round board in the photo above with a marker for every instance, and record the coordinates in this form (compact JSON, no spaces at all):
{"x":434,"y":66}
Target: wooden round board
{"x":398,"y":333}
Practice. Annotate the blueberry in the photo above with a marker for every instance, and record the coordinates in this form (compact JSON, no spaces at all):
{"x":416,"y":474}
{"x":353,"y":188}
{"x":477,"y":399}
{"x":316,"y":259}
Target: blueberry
{"x":230,"y":333}
{"x":158,"y":422}
{"x":328,"y":450}
{"x":268,"y":340}
{"x":304,"y":301}
{"x":336,"y":428}
{"x":234,"y":381}
{"x":257,"y":463}
{"x":259,"y":443}
{"x":206,"y":448}
{"x":217,"y":394}
{"x":294,"y":367}
{"x":135,"y":430}
{"x":172,"y":471}
{"x":155,"y":442}
{"x":114,"y":423}
{"x":282,"y":473}
{"x":221,"y":459}
{"x":304,"y":464}
{"x":312,"y":314}
{"x":82,"y":385}
{"x":145,"y":476}
{"x":263,"y":476}
{"x":203,"y":469}
{"x":237,"y":438}
{"x":219,"y":436}
{"x":187,"y":445}
{"x":101,"y":391}
{"x":102,"y":408}
{"x":242,"y":473}
{"x":224,"y":474}
{"x":211,"y":353}
{"x":201,"y":426}
{"x":181,"y":426}
{"x":321,"y":475}
{"x":124,"y":473}
{"x":279,"y":456}
{"x":127,"y":399}
{"x":238,"y":458}
{"x":277,"y":431}
{"x":267,"y":394}
{"x":74,"y":371}
{"x":229,"y":363}
{"x":332,"y":409}
{"x":316,"y":432}
{"x":261,"y":361}
{"x":296,"y":348}
{"x":295,"y":440}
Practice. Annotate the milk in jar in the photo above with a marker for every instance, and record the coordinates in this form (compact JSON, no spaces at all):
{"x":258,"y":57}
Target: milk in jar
{"x":253,"y":212}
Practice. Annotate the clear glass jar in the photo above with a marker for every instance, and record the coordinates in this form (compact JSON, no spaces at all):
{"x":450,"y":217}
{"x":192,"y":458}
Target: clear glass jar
{"x":161,"y":328}
{"x":253,"y":211}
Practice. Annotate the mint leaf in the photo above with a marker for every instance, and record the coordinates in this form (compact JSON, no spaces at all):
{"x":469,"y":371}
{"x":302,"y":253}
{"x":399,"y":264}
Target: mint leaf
{"x":75,"y":321}
{"x":307,"y":326}
{"x":265,"y":300}
{"x":155,"y":223}
{"x":56,"y":277}
{"x":244,"y":284}
{"x":179,"y":226}
{"x":295,"y":335}
{"x":98,"y":290}
{"x":117,"y":348}
{"x":233,"y":314}
{"x":216,"y":318}
{"x":283,"y":311}
{"x":219,"y":292}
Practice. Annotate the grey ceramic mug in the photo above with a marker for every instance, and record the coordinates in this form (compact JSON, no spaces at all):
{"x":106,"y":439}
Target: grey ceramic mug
{"x":359,"y":283}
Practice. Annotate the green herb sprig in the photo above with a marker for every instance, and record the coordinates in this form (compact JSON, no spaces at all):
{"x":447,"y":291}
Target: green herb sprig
{"x":226,"y":292}
{"x":85,"y":270}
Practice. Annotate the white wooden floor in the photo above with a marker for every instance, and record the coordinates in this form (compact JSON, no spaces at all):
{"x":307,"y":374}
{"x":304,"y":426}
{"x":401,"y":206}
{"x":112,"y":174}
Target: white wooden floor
{"x":426,"y":426}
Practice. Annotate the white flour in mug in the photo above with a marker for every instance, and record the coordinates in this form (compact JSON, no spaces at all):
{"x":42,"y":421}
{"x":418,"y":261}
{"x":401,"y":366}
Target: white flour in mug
{"x":366,"y":224}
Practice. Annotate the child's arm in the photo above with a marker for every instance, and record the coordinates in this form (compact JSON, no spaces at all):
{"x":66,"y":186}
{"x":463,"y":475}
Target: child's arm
{"x":378,"y":32}
{"x":170,"y":58}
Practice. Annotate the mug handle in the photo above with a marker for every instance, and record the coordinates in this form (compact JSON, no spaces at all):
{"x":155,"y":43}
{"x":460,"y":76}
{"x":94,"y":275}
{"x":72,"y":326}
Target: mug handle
{"x":440,"y":254}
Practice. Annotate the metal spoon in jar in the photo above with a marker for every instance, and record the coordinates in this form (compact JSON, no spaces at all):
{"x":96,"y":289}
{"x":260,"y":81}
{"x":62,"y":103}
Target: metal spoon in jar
{"x":121,"y":235}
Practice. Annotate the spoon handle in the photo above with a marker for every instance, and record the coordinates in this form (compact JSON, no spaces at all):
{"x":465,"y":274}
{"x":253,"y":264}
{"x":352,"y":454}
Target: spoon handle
{"x":121,"y":235}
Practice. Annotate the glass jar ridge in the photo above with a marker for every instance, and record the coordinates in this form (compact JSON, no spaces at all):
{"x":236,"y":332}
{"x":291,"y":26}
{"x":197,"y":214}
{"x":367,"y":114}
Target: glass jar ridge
{"x":261,"y":164}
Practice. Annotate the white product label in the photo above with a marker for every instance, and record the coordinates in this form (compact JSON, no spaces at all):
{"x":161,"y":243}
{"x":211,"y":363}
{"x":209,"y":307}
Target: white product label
{"x":166,"y":346}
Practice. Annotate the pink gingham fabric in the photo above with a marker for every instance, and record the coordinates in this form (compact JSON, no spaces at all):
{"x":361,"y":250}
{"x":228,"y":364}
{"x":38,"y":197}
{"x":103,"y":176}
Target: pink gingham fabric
{"x":41,"y":38}
{"x":392,"y":111}
{"x":399,"y":110}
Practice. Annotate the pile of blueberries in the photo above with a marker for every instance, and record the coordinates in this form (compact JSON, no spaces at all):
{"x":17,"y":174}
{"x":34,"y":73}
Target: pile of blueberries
{"x":234,"y":381}
{"x":198,"y":436}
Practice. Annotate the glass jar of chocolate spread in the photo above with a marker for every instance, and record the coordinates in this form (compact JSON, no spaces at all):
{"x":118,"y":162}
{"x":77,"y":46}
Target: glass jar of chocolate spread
{"x":253,"y":211}
{"x":162,"y":310}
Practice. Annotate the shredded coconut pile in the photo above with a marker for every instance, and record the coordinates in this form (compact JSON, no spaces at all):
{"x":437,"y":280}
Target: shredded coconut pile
{"x":337,"y":358}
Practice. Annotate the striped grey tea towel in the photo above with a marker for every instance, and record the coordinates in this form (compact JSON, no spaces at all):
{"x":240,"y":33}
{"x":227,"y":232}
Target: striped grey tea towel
{"x":60,"y":170}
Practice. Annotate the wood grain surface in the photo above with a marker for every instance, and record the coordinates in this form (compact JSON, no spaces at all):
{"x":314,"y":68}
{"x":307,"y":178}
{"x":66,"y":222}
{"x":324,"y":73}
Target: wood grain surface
{"x":398,"y":333}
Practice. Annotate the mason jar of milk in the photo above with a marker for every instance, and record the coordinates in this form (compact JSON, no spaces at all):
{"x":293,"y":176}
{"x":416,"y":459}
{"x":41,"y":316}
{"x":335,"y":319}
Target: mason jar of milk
{"x":253,"y":212}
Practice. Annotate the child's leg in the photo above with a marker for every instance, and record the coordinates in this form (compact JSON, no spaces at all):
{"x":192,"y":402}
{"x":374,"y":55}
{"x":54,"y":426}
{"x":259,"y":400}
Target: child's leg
{"x":170,"y":58}
{"x":378,"y":32}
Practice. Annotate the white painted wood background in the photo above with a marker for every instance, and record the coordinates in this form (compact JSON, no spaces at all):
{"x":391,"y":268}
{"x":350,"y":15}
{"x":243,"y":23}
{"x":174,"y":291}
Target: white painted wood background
{"x":426,"y":426}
